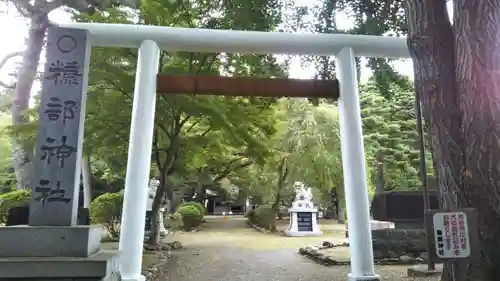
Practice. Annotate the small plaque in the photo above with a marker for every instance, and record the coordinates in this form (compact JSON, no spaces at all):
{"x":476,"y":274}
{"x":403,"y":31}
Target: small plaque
{"x":304,"y":221}
{"x":452,"y":234}
{"x":149,"y":216}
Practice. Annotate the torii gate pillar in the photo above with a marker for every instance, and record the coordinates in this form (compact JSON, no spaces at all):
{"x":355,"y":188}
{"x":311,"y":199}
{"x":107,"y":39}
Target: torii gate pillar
{"x":354,"y":167}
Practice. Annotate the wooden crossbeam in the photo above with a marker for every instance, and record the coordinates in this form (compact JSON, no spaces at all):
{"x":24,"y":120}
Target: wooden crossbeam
{"x":246,"y":86}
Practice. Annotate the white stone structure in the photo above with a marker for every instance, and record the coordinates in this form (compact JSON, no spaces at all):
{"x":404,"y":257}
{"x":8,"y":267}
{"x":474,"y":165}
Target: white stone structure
{"x":303,"y":214}
{"x":149,"y":40}
{"x":153,"y":185}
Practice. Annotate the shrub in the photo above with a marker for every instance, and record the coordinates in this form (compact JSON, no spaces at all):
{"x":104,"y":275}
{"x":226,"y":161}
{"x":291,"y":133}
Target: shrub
{"x":175,"y":221}
{"x":197,"y":205}
{"x":264,"y":216}
{"x":191,"y":216}
{"x":107,"y":210}
{"x":16,"y":198}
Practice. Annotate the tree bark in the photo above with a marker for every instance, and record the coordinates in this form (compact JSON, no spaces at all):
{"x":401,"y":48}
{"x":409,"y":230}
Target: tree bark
{"x":164,"y":189}
{"x":154,"y":236}
{"x":25,"y":78}
{"x":457,"y":71}
{"x":477,"y":34}
{"x":341,"y":204}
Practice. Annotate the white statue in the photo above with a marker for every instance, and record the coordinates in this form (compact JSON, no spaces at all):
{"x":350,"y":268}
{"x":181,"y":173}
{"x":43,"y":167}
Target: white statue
{"x":303,"y":214}
{"x":302,"y":193}
{"x":308,"y":194}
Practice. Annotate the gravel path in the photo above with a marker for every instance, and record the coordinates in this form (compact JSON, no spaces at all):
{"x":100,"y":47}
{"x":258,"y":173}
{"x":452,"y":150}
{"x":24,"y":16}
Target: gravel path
{"x":229,"y":251}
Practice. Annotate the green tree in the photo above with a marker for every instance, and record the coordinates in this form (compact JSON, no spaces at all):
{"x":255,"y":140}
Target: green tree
{"x":456,"y":72}
{"x":306,"y":148}
{"x":37,"y":12}
{"x":390,"y":130}
{"x":6,"y":175}
{"x":235,"y":128}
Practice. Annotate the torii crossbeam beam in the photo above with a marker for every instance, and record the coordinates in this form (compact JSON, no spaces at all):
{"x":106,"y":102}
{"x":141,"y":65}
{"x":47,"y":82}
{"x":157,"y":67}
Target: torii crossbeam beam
{"x":246,"y":86}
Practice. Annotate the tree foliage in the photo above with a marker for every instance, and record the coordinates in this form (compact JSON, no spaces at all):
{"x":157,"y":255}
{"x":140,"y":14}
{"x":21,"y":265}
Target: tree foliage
{"x":200,"y":138}
{"x":390,"y":130}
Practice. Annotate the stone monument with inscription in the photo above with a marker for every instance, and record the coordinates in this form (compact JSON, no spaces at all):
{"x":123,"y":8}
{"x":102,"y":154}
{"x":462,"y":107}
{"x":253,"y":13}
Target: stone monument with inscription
{"x":52,"y":246}
{"x":303,"y":214}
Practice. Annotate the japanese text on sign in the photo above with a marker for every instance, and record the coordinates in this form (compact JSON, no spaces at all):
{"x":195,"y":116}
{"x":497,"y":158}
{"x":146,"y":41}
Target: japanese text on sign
{"x":451,"y":235}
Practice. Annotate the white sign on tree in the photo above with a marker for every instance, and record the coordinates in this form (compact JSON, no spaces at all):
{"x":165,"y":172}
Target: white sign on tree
{"x":451,"y":235}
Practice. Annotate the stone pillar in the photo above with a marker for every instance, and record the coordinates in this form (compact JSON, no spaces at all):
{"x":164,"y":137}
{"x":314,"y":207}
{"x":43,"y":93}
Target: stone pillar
{"x":52,"y":238}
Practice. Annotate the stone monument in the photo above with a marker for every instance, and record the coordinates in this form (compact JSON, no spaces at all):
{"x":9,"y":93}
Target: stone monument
{"x":153,"y":186}
{"x":52,"y":246}
{"x":303,"y":214}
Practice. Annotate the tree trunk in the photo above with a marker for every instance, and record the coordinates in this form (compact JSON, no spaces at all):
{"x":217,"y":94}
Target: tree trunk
{"x":25,"y":78}
{"x":477,"y":33}
{"x":341,"y":204}
{"x":154,"y":236}
{"x":457,"y":71}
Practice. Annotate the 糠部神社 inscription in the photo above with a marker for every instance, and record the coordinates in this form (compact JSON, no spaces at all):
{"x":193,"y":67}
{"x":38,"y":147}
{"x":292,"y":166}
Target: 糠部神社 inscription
{"x":56,"y":179}
{"x":59,"y":151}
{"x":56,"y":110}
{"x":47,"y":194}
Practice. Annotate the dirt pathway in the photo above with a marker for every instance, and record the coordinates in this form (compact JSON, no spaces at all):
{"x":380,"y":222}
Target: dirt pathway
{"x":231,"y":251}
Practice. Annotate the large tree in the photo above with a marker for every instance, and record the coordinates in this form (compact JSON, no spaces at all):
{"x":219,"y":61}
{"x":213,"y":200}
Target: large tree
{"x":200,"y":137}
{"x":457,"y":71}
{"x":457,"y":74}
{"x":37,"y":13}
{"x":390,"y":131}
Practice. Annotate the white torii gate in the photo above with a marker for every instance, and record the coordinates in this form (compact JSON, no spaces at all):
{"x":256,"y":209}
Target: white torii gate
{"x":149,"y":40}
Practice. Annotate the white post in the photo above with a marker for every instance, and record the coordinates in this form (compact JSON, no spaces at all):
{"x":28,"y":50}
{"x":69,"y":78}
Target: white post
{"x":353,"y":163}
{"x":138,"y":163}
{"x":87,"y":182}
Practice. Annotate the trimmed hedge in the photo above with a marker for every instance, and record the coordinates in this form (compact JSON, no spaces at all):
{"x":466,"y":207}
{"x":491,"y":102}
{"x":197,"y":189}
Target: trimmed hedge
{"x":107,"y":210}
{"x":13,"y":199}
{"x":191,"y":216}
{"x":263,"y":216}
{"x":197,"y":205}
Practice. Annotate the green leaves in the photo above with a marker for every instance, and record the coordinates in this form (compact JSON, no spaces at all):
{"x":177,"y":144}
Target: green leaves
{"x":191,"y":132}
{"x":390,"y":129}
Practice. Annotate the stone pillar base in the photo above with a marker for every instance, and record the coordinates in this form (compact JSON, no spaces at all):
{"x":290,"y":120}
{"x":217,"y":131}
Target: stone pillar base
{"x":102,"y":266}
{"x":350,"y":277}
{"x":49,"y":241}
